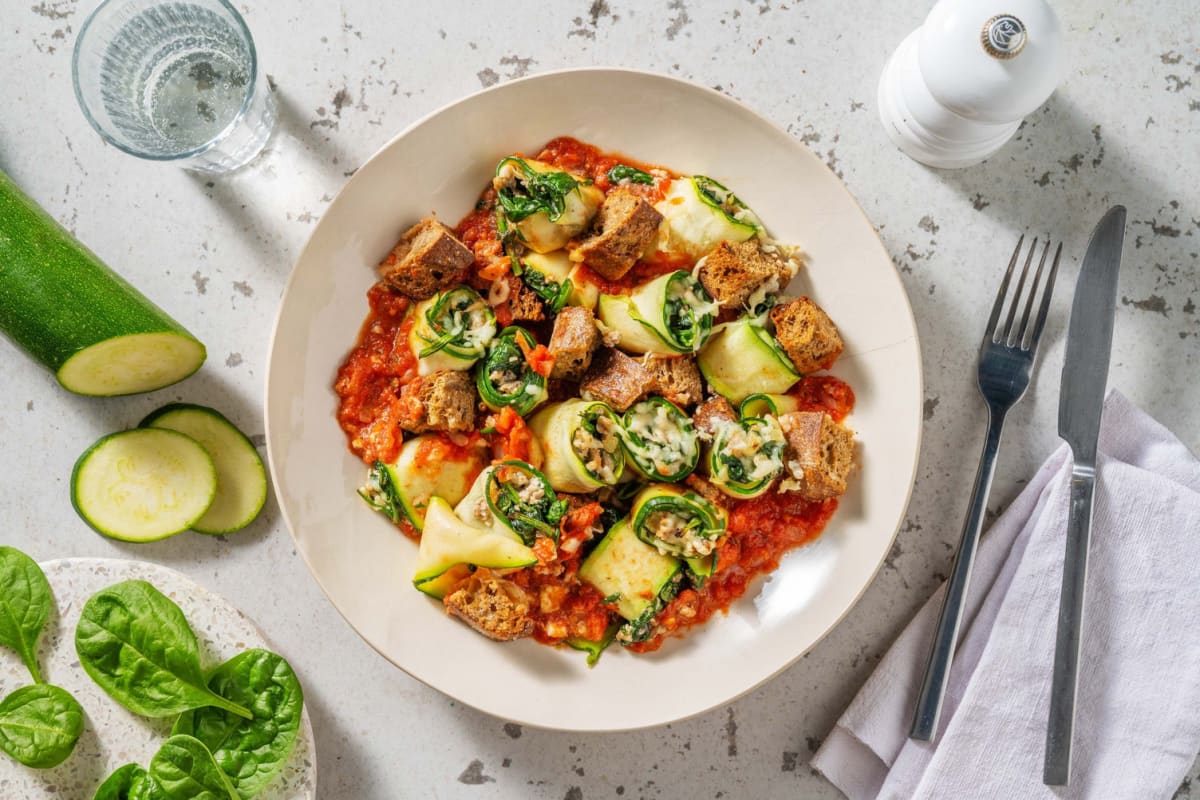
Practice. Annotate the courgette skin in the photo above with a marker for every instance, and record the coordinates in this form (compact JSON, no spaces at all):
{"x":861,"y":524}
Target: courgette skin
{"x":58,"y":299}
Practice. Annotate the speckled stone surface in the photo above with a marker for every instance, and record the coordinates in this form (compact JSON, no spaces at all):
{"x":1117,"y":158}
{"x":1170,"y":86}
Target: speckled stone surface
{"x":348,"y":75}
{"x":113,"y":735}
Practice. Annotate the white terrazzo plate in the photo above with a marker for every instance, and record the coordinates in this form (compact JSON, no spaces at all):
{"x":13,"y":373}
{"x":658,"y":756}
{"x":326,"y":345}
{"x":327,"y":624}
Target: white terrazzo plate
{"x":112,"y":735}
{"x":441,"y":164}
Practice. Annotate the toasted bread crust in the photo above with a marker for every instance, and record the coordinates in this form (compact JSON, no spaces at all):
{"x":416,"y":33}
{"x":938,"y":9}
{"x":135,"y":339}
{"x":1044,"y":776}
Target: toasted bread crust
{"x":427,"y":259}
{"x":616,"y":379}
{"x":572,"y":343}
{"x":733,"y":271}
{"x":443,"y":401}
{"x":495,"y":607}
{"x":523,"y":302}
{"x":624,"y":228}
{"x":712,"y":415}
{"x":677,"y":378}
{"x":819,"y":454}
{"x":807,"y":334}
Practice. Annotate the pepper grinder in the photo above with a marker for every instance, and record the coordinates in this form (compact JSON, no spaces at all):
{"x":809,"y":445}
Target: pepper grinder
{"x":958,"y":87}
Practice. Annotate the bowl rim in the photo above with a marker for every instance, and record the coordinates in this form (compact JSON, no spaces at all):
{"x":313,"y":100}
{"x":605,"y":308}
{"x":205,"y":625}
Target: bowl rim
{"x":742,"y":108}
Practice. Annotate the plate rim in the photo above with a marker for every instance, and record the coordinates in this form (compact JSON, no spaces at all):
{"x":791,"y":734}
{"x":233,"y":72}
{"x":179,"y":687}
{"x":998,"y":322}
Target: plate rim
{"x":804,"y":151}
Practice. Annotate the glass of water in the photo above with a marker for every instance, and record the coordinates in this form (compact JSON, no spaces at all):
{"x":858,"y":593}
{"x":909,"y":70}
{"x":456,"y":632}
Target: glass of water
{"x":174,"y":80}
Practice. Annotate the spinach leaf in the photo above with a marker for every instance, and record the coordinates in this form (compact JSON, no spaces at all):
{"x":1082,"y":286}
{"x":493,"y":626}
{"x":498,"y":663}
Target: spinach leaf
{"x":137,"y":645}
{"x":535,"y":191}
{"x":39,"y":725}
{"x":184,"y":769}
{"x":130,"y":782}
{"x":250,"y":752}
{"x":622,"y":172}
{"x":555,"y":294}
{"x":25,"y":602}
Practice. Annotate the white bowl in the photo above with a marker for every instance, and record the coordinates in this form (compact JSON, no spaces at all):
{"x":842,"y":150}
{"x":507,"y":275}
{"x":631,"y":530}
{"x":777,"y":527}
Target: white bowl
{"x":441,"y":164}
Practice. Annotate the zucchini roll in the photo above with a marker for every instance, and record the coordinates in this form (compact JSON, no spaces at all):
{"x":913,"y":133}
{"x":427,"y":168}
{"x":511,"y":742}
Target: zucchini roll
{"x":670,"y":314}
{"x":557,"y":280}
{"x":699,"y":213}
{"x":746,"y":456}
{"x":505,"y":378}
{"x":743,"y":358}
{"x":452,"y":330}
{"x":660,"y":441}
{"x":514,"y":498}
{"x":402,"y":490}
{"x":581,"y":442}
{"x":545,"y":206}
{"x":677,"y":522}
{"x":760,"y":405}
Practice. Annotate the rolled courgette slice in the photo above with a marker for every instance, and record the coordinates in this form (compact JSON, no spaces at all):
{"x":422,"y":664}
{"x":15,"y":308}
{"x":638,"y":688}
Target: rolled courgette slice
{"x":78,"y":318}
{"x":441,"y":586}
{"x":677,"y":522}
{"x":670,"y":314}
{"x":699,"y":213}
{"x":627,"y":570}
{"x":505,"y":378}
{"x":448,"y":541}
{"x":660,"y":441}
{"x":546,"y":206}
{"x":746,"y":457}
{"x":452,"y":330}
{"x":581,"y":443}
{"x":558,"y":280}
{"x":742,"y":359}
{"x":402,"y":490}
{"x":144,"y":484}
{"x":761,"y":405}
{"x":241,"y":477}
{"x":514,"y":499}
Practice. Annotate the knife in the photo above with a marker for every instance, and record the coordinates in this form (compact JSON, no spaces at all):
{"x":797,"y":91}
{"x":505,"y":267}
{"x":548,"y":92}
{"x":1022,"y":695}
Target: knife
{"x":1081,"y":399}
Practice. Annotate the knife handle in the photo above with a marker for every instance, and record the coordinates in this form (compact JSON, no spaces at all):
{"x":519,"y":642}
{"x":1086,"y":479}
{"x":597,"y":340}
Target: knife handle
{"x":1064,"y":685}
{"x":945,"y":636}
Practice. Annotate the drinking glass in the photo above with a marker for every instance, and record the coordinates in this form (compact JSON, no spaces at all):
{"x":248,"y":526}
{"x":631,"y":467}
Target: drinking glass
{"x":174,"y":80}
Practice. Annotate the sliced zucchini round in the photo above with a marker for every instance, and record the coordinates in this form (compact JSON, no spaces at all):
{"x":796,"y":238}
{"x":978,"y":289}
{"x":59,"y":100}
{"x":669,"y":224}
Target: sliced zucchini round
{"x":144,"y":484}
{"x":581,"y":443}
{"x":452,"y":330}
{"x":742,"y":359}
{"x":447,"y":541}
{"x":241,"y":477}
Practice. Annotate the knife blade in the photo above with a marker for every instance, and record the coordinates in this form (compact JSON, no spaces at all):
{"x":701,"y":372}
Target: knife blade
{"x":1081,"y":401}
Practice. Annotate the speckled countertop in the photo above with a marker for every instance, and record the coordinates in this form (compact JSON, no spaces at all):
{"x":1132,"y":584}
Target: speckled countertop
{"x":348,"y":75}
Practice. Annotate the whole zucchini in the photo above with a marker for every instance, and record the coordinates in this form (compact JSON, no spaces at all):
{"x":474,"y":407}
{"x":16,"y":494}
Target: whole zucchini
{"x":63,"y":306}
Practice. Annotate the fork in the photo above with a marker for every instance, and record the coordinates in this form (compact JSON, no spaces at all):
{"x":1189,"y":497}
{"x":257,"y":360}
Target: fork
{"x":1006,"y":359}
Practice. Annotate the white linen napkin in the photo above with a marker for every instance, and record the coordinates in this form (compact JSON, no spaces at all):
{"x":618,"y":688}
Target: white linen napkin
{"x":1137,"y":729}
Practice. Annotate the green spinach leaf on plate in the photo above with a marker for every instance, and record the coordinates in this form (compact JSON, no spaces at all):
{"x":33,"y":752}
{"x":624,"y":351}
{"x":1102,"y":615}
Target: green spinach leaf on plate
{"x":184,"y":769}
{"x":137,"y":645}
{"x":251,"y":752}
{"x":130,"y":782}
{"x":39,"y":725}
{"x":25,"y":604}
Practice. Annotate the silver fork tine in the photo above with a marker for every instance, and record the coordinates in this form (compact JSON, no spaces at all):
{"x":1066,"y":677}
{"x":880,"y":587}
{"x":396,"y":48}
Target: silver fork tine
{"x":1000,"y":295}
{"x":1025,"y":316}
{"x":1016,"y":299}
{"x":1042,"y":312}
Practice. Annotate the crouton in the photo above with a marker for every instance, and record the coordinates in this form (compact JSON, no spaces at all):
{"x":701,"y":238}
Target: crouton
{"x":493,"y":606}
{"x":523,"y":302}
{"x":713,"y":415}
{"x":677,"y":377}
{"x":616,"y":379}
{"x":734,"y":271}
{"x":572,"y":343}
{"x":701,"y":486}
{"x":624,"y":228}
{"x":807,"y":334}
{"x":443,"y":401}
{"x":427,"y":260}
{"x":818,"y":456}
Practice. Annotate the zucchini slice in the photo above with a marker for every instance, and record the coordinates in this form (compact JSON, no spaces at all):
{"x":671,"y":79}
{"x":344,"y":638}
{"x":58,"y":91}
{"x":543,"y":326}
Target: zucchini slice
{"x":761,"y":405}
{"x":558,"y":280}
{"x":81,"y":320}
{"x":447,"y":541}
{"x":144,"y":484}
{"x":514,"y":499}
{"x":504,"y":377}
{"x":746,"y":456}
{"x":402,"y":490}
{"x":452,"y":330}
{"x":440,"y":586}
{"x":594,"y":648}
{"x":699,"y":213}
{"x":544,"y":204}
{"x":581,"y":443}
{"x":625,"y":567}
{"x":670,"y":314}
{"x":241,"y":477}
{"x":677,"y":522}
{"x":742,"y":359}
{"x":660,"y":441}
